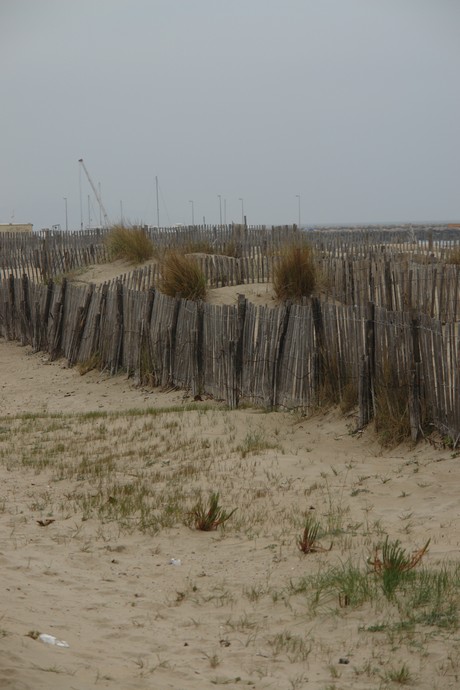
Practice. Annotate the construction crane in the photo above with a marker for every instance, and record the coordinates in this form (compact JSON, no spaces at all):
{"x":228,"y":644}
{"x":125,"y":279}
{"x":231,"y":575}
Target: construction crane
{"x":96,"y":193}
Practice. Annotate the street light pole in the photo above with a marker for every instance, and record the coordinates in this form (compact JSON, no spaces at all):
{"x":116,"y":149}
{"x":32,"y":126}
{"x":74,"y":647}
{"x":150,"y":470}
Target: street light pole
{"x":220,"y":208}
{"x":242,"y":210}
{"x":298,"y":197}
{"x":66,"y":217}
{"x":193,"y":211}
{"x":81,"y":199}
{"x":100,"y":204}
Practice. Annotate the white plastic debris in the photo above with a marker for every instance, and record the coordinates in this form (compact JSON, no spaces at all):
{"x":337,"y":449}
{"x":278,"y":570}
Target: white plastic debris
{"x":175,"y":561}
{"x":50,"y":639}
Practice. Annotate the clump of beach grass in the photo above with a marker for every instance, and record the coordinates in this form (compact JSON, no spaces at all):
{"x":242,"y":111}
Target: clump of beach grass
{"x":210,"y":516}
{"x":181,"y":275}
{"x":453,"y":256}
{"x":392,"y":422}
{"x":130,"y":243}
{"x":295,"y":274}
{"x":307,"y":542}
{"x":394,"y":563}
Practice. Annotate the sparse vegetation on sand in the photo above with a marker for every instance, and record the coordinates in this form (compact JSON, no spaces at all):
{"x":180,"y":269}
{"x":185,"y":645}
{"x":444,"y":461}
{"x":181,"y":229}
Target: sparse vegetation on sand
{"x":108,"y":499}
{"x":129,"y":242}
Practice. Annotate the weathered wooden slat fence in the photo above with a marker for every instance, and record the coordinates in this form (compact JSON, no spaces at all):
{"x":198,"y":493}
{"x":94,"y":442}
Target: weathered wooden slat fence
{"x":397,"y":269}
{"x":293,"y":356}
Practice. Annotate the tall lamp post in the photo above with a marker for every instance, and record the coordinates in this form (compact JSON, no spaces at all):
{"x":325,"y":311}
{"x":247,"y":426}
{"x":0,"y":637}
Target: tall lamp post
{"x":298,"y":198}
{"x":220,"y":208}
{"x":193,"y":211}
{"x":242,"y":210}
{"x":66,"y":217}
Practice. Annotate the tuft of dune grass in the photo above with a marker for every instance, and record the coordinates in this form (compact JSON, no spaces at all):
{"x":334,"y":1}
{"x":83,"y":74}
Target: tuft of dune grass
{"x":130,"y":243}
{"x":453,"y":256}
{"x":295,"y":275}
{"x":181,"y":275}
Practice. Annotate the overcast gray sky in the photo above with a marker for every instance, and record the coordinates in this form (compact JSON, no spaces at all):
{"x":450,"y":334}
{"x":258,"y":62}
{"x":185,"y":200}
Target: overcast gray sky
{"x":354,"y":105}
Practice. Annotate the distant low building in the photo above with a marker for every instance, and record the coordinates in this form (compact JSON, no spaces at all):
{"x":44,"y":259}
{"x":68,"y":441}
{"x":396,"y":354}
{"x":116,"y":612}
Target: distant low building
{"x":16,"y":227}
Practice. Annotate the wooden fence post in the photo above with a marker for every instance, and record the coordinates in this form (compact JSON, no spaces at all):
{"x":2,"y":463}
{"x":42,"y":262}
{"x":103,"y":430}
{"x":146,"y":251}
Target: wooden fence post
{"x":79,"y":328}
{"x":37,"y":328}
{"x":414,"y":389}
{"x":370,"y":354}
{"x":25,"y":311}
{"x":239,"y":359}
{"x":430,"y":240}
{"x":231,"y":377}
{"x":366,"y":382}
{"x":363,"y":393}
{"x":198,"y":379}
{"x":279,"y":353}
{"x":318,"y":356}
{"x":45,"y":260}
{"x":43,"y":319}
{"x":117,"y":343}
{"x":95,"y":349}
{"x":455,"y":293}
{"x":145,"y":363}
{"x":172,"y":340}
{"x":58,"y":323}
{"x":351,"y":282}
{"x":11,"y":310}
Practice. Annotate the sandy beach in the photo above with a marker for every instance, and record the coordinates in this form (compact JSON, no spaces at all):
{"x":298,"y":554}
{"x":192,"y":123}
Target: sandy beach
{"x":98,"y":547}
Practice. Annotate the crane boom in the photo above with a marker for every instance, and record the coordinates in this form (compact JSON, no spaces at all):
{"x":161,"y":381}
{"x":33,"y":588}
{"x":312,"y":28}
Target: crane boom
{"x":96,"y":193}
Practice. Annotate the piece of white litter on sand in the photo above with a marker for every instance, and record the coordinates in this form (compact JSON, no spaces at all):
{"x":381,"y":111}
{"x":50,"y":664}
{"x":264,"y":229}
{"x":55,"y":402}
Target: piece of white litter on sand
{"x":50,"y":639}
{"x":175,"y":561}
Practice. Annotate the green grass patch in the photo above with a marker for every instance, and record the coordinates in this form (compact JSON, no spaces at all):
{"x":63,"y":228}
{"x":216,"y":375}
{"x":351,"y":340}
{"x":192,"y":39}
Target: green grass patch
{"x":422,"y":598}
